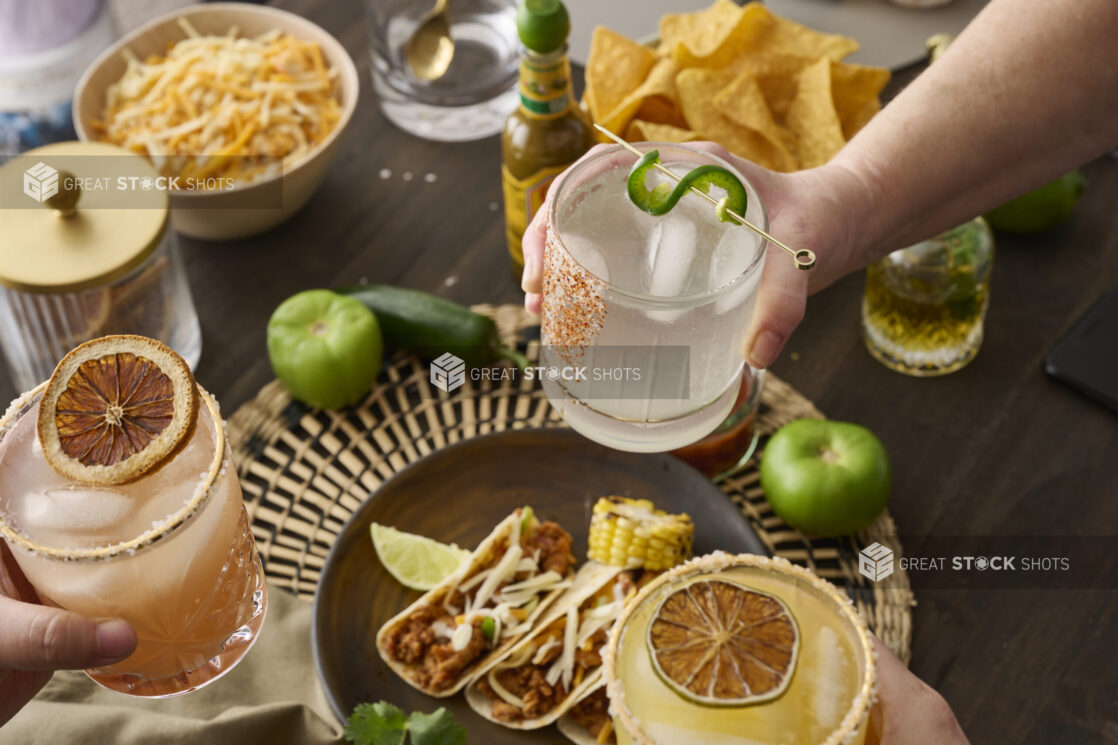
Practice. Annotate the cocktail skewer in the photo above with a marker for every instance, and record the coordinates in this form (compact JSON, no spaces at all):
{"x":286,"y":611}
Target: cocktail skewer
{"x":804,"y":258}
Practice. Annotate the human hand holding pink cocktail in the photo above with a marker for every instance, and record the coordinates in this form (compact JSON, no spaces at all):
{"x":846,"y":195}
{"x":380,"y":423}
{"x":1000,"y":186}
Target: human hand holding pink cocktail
{"x":118,"y":500}
{"x":36,"y":640}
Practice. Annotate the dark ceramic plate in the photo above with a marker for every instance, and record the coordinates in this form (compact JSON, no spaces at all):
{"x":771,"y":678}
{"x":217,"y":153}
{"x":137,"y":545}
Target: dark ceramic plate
{"x":458,"y":494}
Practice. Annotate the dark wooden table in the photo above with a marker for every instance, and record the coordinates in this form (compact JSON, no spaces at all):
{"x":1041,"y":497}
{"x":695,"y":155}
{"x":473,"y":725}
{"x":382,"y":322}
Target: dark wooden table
{"x":996,"y":449}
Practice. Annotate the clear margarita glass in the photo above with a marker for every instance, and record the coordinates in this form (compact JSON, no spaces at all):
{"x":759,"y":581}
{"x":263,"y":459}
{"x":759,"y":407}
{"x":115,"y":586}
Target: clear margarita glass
{"x":668,"y":297}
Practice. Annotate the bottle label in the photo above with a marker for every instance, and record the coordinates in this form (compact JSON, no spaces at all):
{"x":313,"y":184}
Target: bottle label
{"x":523,"y":198}
{"x":545,"y":90}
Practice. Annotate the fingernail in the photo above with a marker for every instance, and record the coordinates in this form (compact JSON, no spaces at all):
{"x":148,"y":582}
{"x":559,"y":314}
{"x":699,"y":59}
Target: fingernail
{"x":541,"y":228}
{"x":115,"y":639}
{"x":530,"y":278}
{"x":765,"y":349}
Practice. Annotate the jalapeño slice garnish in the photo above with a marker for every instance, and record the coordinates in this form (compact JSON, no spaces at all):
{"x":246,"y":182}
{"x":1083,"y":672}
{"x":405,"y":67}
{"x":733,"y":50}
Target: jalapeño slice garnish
{"x":661,"y":199}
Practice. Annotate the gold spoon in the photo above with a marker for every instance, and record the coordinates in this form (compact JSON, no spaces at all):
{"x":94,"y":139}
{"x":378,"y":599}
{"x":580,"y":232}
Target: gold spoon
{"x":430,"y":48}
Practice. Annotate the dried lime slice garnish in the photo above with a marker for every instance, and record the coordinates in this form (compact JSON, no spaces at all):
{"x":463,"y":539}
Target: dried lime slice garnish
{"x":115,"y":409}
{"x":718,"y":643}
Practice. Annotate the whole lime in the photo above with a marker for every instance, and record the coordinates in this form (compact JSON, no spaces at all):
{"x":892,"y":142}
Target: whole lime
{"x":325,"y":348}
{"x":1041,"y":209}
{"x":826,"y":478}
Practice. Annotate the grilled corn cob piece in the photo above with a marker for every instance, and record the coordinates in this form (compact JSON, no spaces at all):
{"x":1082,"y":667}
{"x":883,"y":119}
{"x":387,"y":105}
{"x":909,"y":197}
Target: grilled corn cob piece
{"x":632,"y":533}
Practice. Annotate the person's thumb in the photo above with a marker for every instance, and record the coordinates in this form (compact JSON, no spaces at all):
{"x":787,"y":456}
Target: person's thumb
{"x":780,"y":308}
{"x":38,"y":637}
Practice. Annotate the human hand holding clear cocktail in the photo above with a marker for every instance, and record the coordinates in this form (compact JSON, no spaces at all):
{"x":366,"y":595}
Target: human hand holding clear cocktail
{"x":806,"y":209}
{"x":627,"y":278}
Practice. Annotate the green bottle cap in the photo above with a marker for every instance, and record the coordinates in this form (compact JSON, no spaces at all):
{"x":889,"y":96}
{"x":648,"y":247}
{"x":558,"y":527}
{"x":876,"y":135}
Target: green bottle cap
{"x":543,"y":25}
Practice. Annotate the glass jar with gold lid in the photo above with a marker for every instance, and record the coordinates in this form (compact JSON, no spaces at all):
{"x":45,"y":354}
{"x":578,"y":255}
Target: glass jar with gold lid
{"x":87,"y":250}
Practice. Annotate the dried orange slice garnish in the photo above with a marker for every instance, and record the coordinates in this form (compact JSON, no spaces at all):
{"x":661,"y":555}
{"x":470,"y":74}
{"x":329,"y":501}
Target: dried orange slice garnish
{"x":718,"y":643}
{"x":115,"y":409}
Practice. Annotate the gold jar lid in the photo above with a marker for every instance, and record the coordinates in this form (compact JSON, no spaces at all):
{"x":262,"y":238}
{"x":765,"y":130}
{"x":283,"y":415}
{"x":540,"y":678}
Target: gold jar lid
{"x":77,"y":215}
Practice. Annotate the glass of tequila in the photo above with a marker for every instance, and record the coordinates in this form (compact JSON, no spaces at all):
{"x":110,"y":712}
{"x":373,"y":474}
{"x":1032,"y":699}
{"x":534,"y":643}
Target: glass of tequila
{"x":830,"y":670}
{"x":170,"y":552}
{"x":643,"y":317}
{"x":924,"y":306}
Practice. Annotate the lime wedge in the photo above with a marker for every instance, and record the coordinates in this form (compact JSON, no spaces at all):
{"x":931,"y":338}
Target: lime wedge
{"x":414,"y":560}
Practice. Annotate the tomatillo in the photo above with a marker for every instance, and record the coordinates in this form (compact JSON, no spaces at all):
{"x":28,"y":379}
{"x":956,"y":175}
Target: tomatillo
{"x":325,"y":348}
{"x":826,"y":478}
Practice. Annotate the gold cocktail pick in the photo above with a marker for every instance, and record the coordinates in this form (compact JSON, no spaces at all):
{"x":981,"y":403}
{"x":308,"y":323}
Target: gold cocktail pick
{"x":804,"y":258}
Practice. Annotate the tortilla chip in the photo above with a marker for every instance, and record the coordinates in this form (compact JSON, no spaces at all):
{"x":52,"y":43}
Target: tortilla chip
{"x":764,"y":87}
{"x":859,"y":119}
{"x":855,"y":90}
{"x":658,"y":110}
{"x":776,"y":74}
{"x":642,"y":131}
{"x":697,"y":90}
{"x":615,"y":68}
{"x":656,"y":100}
{"x":713,"y":37}
{"x":782,"y":36}
{"x":743,"y":102}
{"x":812,"y":117}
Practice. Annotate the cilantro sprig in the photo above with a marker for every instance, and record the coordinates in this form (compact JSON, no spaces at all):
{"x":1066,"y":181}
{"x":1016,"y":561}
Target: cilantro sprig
{"x":385,"y":724}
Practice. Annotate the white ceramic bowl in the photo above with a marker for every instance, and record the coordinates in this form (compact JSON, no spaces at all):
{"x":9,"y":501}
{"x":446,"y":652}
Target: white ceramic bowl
{"x":216,"y":215}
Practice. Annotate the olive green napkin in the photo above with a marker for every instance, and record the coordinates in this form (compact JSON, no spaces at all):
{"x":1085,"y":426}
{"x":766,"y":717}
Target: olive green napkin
{"x":272,"y":697}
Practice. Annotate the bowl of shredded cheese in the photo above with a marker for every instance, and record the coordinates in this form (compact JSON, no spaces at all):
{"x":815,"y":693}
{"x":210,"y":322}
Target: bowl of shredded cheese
{"x":240,"y":107}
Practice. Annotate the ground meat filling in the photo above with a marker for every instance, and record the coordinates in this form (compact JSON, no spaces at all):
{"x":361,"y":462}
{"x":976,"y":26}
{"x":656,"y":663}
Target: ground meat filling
{"x":592,"y":713}
{"x":444,"y":665}
{"x":413,"y":642}
{"x":592,"y":658}
{"x":409,"y":641}
{"x":554,"y":545}
{"x":527,"y":682}
{"x":439,"y":666}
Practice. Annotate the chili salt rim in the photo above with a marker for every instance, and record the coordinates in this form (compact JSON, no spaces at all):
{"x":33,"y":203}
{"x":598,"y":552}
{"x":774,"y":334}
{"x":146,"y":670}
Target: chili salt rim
{"x":221,"y":460}
{"x":858,"y":713}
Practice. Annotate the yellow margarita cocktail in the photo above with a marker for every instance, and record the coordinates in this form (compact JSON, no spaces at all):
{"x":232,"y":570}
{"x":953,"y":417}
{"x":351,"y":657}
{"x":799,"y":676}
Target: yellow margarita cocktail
{"x":168,"y":550}
{"x":740,"y":650}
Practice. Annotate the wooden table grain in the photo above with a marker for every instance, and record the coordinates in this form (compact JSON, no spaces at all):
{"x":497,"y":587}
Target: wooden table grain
{"x":996,"y":449}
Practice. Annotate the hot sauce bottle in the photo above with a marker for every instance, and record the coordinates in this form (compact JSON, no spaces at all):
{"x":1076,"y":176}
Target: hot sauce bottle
{"x":547,"y":132}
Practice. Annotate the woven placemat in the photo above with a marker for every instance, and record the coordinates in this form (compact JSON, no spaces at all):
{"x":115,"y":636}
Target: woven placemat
{"x":305,"y":471}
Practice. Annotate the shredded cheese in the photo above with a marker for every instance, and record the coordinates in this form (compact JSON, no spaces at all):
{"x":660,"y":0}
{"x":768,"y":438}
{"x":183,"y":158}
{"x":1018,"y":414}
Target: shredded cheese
{"x":442,"y":629}
{"x":549,"y":577}
{"x":462,"y":636}
{"x":224,"y":106}
{"x":564,"y":667}
{"x":504,"y":569}
{"x":541,"y":653}
{"x":474,"y":581}
{"x":502,"y":692}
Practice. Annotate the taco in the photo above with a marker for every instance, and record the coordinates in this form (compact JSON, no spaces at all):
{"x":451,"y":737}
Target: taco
{"x":588,"y":722}
{"x":559,"y":661}
{"x":452,"y":633}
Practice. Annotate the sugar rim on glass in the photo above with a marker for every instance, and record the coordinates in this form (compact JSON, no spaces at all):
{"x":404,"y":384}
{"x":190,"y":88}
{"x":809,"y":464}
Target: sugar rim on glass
{"x":642,"y":297}
{"x":221,"y":460}
{"x":858,"y":713}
